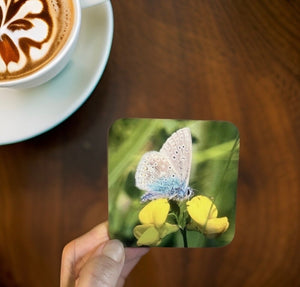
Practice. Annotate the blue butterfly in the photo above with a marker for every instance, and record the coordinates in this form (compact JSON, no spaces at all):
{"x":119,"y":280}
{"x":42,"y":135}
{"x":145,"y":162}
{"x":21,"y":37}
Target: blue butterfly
{"x":165,"y":174}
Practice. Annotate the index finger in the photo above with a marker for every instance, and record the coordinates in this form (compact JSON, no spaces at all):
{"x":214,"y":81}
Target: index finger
{"x":76,"y":253}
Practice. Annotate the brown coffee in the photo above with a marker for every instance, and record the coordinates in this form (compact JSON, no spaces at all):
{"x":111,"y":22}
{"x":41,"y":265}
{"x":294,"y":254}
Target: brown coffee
{"x":32,"y":32}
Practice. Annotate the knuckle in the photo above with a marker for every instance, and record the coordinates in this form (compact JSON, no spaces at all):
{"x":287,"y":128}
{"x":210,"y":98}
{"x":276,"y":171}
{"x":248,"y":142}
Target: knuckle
{"x":108,"y":272}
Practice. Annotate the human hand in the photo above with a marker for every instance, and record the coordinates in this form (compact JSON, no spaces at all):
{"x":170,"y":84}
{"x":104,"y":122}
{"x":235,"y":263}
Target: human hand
{"x":94,"y":260}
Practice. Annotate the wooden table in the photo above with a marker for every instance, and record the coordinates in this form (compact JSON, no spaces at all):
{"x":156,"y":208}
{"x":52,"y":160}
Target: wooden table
{"x":219,"y":60}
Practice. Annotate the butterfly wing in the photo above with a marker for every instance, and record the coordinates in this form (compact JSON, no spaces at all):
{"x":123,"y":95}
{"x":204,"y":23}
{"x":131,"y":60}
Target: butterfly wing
{"x":165,"y":174}
{"x":156,"y":175}
{"x":153,"y":166}
{"x":178,"y":150}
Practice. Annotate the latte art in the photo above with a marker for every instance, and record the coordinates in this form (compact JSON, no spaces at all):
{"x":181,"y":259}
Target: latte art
{"x":31,"y":34}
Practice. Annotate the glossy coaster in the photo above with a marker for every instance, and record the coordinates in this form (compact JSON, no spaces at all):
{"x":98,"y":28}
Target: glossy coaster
{"x":172,"y":183}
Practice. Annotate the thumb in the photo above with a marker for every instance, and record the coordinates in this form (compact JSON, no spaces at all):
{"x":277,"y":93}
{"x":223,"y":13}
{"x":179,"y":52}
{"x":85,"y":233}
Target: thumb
{"x":103,"y":269}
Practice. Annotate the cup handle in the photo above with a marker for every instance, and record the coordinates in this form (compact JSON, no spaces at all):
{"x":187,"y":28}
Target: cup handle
{"x":88,"y":3}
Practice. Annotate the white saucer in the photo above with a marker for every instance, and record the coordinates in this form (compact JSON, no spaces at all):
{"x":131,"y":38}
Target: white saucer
{"x":28,"y":113}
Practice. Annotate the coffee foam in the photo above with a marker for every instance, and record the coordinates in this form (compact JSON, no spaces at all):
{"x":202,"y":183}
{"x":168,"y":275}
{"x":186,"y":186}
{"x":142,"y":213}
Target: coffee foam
{"x":33,"y":36}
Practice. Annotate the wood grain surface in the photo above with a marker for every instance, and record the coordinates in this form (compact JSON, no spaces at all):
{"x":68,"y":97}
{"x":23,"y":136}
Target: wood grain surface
{"x":237,"y":61}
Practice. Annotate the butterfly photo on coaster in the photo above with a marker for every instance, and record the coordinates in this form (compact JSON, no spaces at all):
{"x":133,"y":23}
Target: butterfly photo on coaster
{"x":172,"y":183}
{"x":165,"y":174}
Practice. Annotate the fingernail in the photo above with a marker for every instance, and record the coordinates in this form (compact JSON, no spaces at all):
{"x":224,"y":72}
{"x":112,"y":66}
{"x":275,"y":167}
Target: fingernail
{"x":114,"y":249}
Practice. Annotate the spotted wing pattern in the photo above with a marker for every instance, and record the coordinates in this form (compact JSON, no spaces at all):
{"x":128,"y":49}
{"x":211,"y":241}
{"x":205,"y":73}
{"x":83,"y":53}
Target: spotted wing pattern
{"x":178,"y":150}
{"x":165,"y":174}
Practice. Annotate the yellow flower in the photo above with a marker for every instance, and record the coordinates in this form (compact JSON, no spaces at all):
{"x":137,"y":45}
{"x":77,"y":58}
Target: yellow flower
{"x":204,"y":216}
{"x":146,"y":234}
{"x":154,"y":226}
{"x":155,"y":212}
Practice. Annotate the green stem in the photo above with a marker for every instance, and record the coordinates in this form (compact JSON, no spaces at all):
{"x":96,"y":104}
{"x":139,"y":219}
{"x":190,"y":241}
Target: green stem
{"x":183,"y":232}
{"x":235,"y":145}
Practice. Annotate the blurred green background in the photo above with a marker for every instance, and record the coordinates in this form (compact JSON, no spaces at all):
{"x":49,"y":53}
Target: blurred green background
{"x":213,"y":173}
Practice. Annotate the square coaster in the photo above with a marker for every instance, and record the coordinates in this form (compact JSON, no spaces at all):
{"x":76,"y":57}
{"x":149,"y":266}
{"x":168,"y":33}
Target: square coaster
{"x":172,"y":183}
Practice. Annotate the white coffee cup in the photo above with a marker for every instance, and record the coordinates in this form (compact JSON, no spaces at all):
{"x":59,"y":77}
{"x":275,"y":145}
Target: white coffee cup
{"x":57,"y":63}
